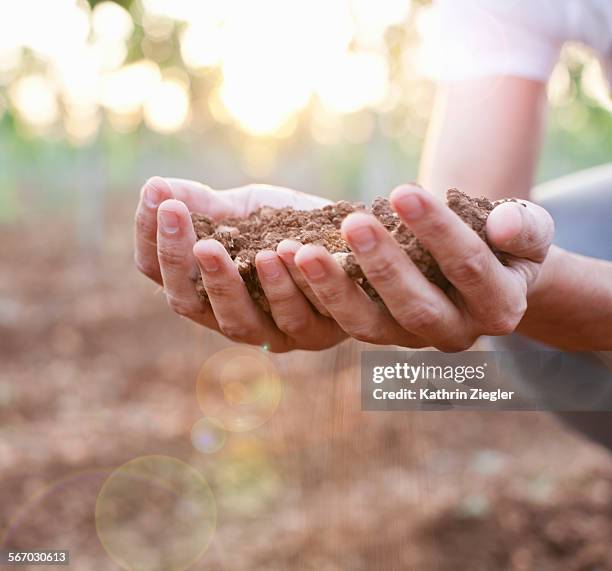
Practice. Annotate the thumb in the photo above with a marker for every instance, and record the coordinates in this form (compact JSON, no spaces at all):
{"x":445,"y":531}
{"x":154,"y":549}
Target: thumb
{"x":201,"y":198}
{"x":522,"y":229}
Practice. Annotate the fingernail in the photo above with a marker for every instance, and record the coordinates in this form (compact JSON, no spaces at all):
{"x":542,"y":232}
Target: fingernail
{"x":269,"y":268}
{"x":313,"y":269}
{"x":287,"y":250}
{"x":362,"y":239}
{"x":287,"y":257}
{"x":511,"y":226}
{"x":152,"y":196}
{"x":169,"y":222}
{"x":209,"y":263}
{"x":410,"y":206}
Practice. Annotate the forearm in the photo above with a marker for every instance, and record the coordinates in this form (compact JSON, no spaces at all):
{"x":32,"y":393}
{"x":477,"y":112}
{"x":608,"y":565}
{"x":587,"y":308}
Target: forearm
{"x":484,"y":137}
{"x":571,"y":304}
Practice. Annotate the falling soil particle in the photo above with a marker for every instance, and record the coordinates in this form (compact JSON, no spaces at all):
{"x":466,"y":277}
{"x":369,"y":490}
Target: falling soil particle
{"x":264,"y":228}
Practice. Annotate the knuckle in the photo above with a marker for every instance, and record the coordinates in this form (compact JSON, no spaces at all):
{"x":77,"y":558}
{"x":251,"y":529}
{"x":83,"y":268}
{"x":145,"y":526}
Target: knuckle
{"x":294,"y":327}
{"x":469,"y":269}
{"x":520,"y":307}
{"x":280,"y":296}
{"x":436,"y":226}
{"x":218,"y":288}
{"x":420,"y":317}
{"x":180,"y":306}
{"x":171,"y":257}
{"x":507,"y":319}
{"x":238,"y":332}
{"x":330,"y":296}
{"x":502,"y":325}
{"x":365,"y":333}
{"x":383,"y":270}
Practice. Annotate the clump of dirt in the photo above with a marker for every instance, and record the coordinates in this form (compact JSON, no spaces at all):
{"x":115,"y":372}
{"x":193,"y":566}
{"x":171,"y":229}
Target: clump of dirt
{"x":264,"y":228}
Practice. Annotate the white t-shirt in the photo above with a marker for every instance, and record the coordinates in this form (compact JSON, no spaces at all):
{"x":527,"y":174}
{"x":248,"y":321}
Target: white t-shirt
{"x":475,"y":38}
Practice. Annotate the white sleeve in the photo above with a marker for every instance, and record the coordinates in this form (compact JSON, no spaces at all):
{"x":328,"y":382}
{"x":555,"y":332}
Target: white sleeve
{"x":477,"y":38}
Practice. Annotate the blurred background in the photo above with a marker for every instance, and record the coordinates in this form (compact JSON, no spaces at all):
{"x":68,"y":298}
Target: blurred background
{"x":108,"y":446}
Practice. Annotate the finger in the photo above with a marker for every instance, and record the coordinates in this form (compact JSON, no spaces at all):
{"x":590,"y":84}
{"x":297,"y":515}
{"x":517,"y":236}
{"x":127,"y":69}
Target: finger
{"x":465,"y":259}
{"x":241,"y":201}
{"x":248,"y":198}
{"x":291,"y":311}
{"x":524,"y":230}
{"x":202,"y":199}
{"x":152,"y":194}
{"x":236,"y":313}
{"x":175,"y":240}
{"x":416,"y":304}
{"x":287,"y":249}
{"x":493,"y":296}
{"x":348,"y":304}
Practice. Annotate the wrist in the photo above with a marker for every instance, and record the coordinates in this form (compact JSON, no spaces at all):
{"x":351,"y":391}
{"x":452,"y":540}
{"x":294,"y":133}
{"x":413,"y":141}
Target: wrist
{"x":546,"y":278}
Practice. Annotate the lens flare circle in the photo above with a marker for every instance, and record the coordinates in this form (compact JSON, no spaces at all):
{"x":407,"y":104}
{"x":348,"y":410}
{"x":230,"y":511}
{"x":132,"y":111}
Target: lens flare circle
{"x":155,"y":513}
{"x":240,"y":387}
{"x":59,"y":514}
{"x":208,"y":436}
{"x":248,"y":480}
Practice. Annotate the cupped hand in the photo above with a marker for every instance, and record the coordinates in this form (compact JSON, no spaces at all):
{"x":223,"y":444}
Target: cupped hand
{"x":485,"y":297}
{"x":168,"y":252}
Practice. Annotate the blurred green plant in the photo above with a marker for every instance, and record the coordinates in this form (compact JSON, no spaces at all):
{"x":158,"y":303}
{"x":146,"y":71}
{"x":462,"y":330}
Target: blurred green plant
{"x":232,"y":90}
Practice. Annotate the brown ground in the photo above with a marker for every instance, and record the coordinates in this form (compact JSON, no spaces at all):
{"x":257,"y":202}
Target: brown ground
{"x":265,"y":228}
{"x":96,"y":371}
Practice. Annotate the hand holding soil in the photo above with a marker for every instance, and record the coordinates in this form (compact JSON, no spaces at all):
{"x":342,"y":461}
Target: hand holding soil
{"x":414,"y":272}
{"x":164,"y":252}
{"x":485,"y":297}
{"x":266,"y":228}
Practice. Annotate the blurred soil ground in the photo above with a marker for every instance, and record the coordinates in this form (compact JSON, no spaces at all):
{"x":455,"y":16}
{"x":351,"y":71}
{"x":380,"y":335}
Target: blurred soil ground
{"x":97,"y":371}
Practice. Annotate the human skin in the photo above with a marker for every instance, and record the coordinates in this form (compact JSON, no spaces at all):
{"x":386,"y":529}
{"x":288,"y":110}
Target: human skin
{"x":167,"y":251}
{"x":487,"y":297}
{"x":484,"y":138}
{"x":546,"y":293}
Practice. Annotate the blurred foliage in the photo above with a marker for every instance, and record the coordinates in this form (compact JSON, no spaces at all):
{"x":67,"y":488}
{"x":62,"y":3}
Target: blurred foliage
{"x":124,"y":3}
{"x":581,"y":115}
{"x":128,"y":89}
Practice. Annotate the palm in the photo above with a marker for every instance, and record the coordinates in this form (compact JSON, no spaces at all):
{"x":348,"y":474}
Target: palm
{"x":240,"y":201}
{"x":172,"y":256}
